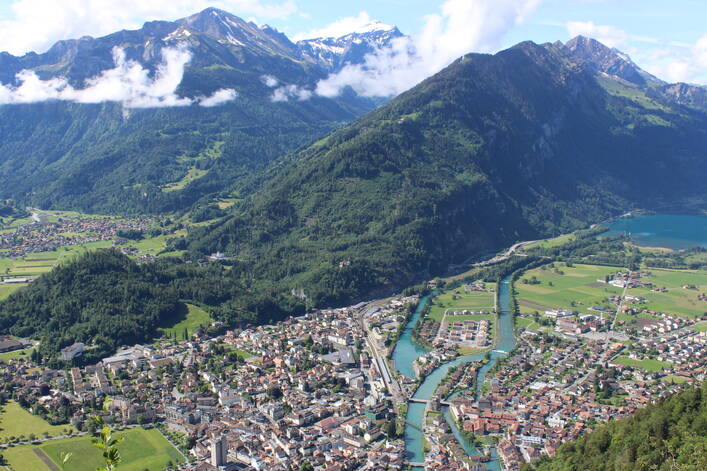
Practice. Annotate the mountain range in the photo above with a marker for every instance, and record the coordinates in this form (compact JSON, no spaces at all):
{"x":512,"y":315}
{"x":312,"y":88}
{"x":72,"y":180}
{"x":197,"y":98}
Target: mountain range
{"x":532,"y":141}
{"x":104,"y":157}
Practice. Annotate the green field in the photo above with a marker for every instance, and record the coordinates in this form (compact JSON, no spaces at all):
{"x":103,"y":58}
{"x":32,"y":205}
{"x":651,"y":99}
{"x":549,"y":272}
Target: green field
{"x":15,"y":421}
{"x":16,"y":354}
{"x":676,"y":379}
{"x":450,"y":300}
{"x":38,"y":263}
{"x":550,"y":243}
{"x":191,"y":318}
{"x":141,"y":450}
{"x":577,"y":285}
{"x":192,"y":174}
{"x":241,"y":353}
{"x":648,"y":364}
{"x":677,"y":300}
{"x":701,"y":327}
{"x":7,"y":290}
{"x":526,"y":323}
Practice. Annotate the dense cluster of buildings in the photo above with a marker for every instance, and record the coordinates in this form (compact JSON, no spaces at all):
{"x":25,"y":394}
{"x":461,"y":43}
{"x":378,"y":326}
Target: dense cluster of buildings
{"x":552,"y":390}
{"x":44,"y":236}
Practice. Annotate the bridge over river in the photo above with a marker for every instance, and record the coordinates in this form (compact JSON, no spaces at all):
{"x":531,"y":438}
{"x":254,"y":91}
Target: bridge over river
{"x":407,"y":352}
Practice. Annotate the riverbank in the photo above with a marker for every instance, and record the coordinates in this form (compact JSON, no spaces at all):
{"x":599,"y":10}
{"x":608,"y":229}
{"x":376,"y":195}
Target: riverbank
{"x":414,"y":431}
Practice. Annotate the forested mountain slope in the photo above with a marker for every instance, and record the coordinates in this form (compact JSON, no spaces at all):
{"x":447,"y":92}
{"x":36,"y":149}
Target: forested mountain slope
{"x":668,"y":436}
{"x":107,"y":157}
{"x":492,"y":150}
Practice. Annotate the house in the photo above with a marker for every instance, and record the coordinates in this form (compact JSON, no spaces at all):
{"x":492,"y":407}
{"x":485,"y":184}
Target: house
{"x":74,"y":351}
{"x":7,"y":344}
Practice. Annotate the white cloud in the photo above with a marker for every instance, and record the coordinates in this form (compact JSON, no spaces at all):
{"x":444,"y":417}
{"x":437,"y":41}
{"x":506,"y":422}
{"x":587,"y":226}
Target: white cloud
{"x":338,"y":28}
{"x":37,"y":24}
{"x":219,"y":97}
{"x":608,"y":35}
{"x":270,"y":81}
{"x":127,"y":83}
{"x":678,"y":63}
{"x":287,"y":92}
{"x":699,"y":51}
{"x":462,"y":26}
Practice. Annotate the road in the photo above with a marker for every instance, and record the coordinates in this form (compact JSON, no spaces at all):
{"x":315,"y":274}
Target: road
{"x":505,"y":255}
{"x":621,"y":302}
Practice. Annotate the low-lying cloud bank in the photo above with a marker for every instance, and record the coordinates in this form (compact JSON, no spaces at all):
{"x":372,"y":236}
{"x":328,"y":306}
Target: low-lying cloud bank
{"x":461,"y":26}
{"x":128,"y":83}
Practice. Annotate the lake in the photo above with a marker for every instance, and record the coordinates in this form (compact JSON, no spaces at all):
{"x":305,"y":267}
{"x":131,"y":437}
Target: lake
{"x":673,"y":231}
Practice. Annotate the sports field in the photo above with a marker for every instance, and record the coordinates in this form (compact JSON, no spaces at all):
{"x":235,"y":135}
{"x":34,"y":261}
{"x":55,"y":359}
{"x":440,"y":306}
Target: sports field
{"x":17,"y":422}
{"x":647,"y":364}
{"x":459,"y":300}
{"x":141,"y":450}
{"x":562,"y":286}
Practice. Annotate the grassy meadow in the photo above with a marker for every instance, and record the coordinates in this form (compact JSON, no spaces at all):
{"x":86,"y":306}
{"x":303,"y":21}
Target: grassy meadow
{"x":577,"y":284}
{"x":16,"y":422}
{"x":141,"y":450}
{"x":190,"y":318}
{"x":459,"y":300}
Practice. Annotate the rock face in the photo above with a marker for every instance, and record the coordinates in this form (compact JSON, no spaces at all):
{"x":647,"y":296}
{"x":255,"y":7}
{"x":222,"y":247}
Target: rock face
{"x":334,"y":53}
{"x":214,"y":36}
{"x":600,"y":58}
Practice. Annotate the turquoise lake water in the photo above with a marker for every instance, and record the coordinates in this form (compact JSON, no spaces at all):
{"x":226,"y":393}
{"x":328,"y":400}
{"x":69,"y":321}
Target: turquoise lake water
{"x":674,"y":231}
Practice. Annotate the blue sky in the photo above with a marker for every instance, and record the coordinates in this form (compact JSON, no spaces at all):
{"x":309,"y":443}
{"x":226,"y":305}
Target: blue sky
{"x":668,"y":38}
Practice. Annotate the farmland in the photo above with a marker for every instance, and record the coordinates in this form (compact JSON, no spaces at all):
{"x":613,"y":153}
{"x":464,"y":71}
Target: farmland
{"x":677,"y":300}
{"x":563,"y":287}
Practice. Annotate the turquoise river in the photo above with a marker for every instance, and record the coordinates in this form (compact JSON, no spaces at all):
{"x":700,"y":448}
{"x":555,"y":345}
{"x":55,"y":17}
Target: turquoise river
{"x":407,"y":351}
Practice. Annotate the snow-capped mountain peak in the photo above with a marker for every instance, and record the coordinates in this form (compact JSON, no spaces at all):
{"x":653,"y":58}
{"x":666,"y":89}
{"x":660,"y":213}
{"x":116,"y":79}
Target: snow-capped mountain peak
{"x":372,"y":27}
{"x":332,"y":53}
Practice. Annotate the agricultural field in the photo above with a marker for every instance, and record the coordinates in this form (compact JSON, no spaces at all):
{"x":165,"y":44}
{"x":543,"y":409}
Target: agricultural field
{"x":562,"y":287}
{"x":141,"y":450}
{"x":16,"y":422}
{"x":190,"y":318}
{"x":647,"y":364}
{"x":677,"y":300}
{"x":36,"y":264}
{"x":459,"y":300}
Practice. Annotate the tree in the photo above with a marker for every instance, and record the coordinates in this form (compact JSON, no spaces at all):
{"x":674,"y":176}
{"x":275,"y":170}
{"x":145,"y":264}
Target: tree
{"x":306,"y":466}
{"x":390,"y":429}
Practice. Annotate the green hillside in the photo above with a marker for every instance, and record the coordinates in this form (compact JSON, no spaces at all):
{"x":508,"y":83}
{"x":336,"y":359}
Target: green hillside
{"x":110,"y":159}
{"x":670,"y":435}
{"x":492,"y":150}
